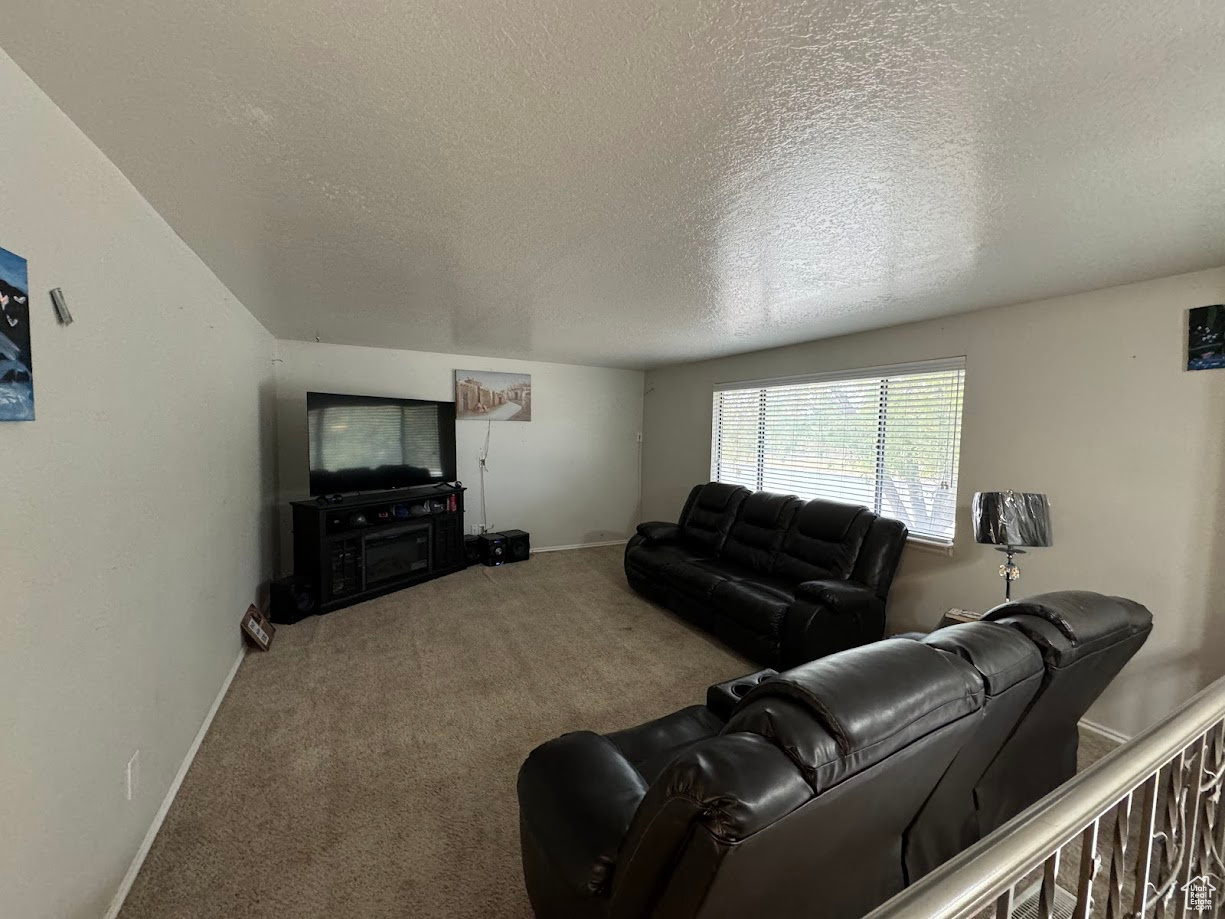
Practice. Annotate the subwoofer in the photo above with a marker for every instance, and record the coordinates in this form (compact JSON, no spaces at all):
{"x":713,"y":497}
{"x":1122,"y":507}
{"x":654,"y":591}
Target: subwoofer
{"x":493,"y":548}
{"x":518,"y":545}
{"x":290,"y":601}
{"x":472,"y":550}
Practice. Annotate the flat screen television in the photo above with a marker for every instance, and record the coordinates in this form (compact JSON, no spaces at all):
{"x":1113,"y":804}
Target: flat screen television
{"x":371,"y":443}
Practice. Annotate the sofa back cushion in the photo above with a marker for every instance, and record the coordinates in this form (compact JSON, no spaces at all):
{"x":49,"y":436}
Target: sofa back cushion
{"x":758,"y":531}
{"x":1085,"y":639}
{"x":1011,"y":668}
{"x":709,"y":513}
{"x":879,"y":555}
{"x":823,"y":541}
{"x":842,"y":714}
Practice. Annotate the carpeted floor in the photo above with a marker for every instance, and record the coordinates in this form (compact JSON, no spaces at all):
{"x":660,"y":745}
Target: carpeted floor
{"x":365,"y":767}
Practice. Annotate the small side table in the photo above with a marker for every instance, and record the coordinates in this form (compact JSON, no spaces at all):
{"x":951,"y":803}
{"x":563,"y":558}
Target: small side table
{"x":955,"y":616}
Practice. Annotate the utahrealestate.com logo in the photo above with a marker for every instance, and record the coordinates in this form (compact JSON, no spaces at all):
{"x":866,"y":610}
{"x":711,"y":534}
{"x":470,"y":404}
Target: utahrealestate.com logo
{"x":1199,"y":893}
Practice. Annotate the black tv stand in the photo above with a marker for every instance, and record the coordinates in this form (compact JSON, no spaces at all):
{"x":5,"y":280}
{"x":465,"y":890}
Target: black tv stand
{"x":367,"y":545}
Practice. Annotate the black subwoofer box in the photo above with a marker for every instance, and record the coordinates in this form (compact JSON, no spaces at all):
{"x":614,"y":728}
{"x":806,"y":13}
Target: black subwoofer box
{"x":472,"y":550}
{"x":493,"y":548}
{"x":290,"y":601}
{"x":518,"y":545}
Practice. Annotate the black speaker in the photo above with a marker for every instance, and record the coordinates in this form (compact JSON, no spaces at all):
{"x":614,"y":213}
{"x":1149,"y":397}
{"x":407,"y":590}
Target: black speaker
{"x":518,"y":545}
{"x":472,"y":550}
{"x":290,"y":601}
{"x":493,"y":548}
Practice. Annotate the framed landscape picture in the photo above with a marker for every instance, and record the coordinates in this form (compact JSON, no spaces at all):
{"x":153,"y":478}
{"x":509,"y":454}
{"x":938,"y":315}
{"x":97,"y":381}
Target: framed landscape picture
{"x":1206,"y":338}
{"x":483,"y":395}
{"x":16,"y":361}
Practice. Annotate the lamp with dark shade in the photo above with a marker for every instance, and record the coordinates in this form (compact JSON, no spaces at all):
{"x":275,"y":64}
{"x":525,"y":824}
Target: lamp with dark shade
{"x":1009,"y":520}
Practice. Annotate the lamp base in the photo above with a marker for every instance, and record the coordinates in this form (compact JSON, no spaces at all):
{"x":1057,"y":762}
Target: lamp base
{"x":1009,"y":571}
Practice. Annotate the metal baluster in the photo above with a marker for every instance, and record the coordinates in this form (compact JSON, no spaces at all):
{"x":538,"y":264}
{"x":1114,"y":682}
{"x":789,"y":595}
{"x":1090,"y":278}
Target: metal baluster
{"x":1147,"y":827}
{"x":1212,"y":831}
{"x":1089,"y":863}
{"x":1003,"y":905}
{"x":1046,"y":893}
{"x":1219,"y":850}
{"x":1118,"y":856}
{"x":1171,"y":837}
{"x":1190,"y":859}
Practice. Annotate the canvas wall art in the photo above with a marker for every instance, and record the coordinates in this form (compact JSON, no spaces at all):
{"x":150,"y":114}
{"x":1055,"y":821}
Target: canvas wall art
{"x":482,"y":395}
{"x":16,"y":362}
{"x":1206,"y":338}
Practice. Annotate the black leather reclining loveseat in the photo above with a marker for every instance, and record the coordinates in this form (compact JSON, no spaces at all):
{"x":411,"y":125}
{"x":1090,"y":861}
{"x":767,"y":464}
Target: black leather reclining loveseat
{"x":781,"y":580}
{"x":822,"y":791}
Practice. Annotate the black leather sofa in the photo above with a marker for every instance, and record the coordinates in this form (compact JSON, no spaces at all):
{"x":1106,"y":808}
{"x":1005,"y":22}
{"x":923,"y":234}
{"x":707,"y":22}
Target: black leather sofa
{"x":823,"y":790}
{"x":781,"y":580}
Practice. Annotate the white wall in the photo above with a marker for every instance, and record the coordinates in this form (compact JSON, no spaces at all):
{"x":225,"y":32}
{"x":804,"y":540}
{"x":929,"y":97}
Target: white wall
{"x":136,"y":517}
{"x":1084,"y":398}
{"x":569,"y":476}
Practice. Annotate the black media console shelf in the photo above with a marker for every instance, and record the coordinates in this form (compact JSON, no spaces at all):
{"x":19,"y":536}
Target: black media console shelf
{"x":364,"y":546}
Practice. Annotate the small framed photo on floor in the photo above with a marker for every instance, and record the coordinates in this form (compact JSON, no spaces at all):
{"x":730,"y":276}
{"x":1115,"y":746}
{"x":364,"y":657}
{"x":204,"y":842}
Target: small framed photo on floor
{"x":257,"y":628}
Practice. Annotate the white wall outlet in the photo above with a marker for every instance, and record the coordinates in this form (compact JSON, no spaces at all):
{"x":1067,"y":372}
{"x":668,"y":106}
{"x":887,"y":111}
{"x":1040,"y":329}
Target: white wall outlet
{"x":474,"y":529}
{"x":133,"y":775}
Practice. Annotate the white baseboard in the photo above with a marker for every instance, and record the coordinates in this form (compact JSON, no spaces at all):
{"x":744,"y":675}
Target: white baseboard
{"x":134,"y":869}
{"x":1103,"y":731}
{"x":582,"y":545}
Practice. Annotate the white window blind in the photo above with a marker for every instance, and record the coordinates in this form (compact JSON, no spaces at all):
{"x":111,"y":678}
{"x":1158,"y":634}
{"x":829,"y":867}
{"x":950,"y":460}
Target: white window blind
{"x":887,"y":438}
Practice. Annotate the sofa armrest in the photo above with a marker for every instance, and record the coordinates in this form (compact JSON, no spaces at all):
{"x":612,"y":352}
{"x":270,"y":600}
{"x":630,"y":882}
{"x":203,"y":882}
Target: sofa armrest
{"x":577,"y":796}
{"x":829,"y":616}
{"x":656,"y":531}
{"x":841,"y":596}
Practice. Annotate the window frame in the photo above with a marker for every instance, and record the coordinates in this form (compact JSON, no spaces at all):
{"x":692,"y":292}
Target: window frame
{"x":881,"y":372}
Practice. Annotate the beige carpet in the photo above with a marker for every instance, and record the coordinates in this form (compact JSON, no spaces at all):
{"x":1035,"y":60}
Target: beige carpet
{"x":365,"y":766}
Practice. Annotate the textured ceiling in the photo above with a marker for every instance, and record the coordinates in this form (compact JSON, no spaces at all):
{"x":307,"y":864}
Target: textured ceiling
{"x":635,"y":183}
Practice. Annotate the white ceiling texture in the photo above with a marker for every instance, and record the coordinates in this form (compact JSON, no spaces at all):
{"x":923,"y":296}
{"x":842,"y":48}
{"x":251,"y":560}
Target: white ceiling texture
{"x":633,"y":183}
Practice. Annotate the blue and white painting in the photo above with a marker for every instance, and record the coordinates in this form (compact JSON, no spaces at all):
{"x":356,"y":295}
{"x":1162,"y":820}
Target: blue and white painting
{"x":1206,"y":338}
{"x":16,"y":362}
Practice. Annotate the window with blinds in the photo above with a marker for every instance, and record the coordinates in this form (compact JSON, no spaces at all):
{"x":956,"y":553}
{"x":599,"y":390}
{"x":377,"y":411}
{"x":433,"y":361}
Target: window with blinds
{"x":887,"y":438}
